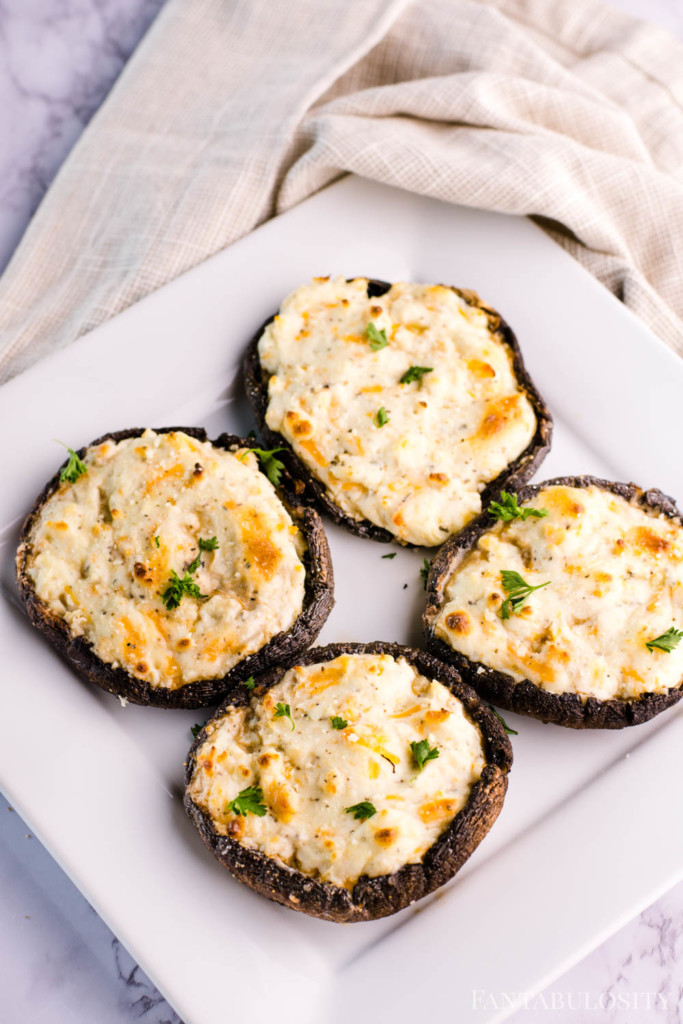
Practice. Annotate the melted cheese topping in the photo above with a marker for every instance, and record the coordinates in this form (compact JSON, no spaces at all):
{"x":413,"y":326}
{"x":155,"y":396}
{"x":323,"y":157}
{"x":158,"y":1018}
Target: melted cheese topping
{"x":447,"y":436}
{"x":95,"y":562}
{"x":616,"y":581}
{"x":311,"y":774}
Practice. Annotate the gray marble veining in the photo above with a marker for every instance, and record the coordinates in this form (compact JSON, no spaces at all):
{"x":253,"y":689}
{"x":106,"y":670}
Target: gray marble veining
{"x":59,"y":963}
{"x":58,"y":60}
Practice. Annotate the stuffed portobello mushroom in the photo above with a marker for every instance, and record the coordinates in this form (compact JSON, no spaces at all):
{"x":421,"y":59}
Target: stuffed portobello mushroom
{"x":350,"y":784}
{"x":401,"y":407}
{"x":167,"y":568}
{"x":565,"y":602}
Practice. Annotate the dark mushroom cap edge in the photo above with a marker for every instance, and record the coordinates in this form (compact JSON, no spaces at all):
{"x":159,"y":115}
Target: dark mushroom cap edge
{"x":525,"y":697}
{"x":370,"y":898}
{"x":514,"y":475}
{"x":78,"y":651}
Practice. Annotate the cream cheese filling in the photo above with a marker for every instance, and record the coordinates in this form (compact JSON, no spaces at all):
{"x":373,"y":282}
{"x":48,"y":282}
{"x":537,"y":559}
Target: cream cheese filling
{"x":103,"y":549}
{"x":615,"y":575}
{"x":310,"y":774}
{"x":447,"y":433}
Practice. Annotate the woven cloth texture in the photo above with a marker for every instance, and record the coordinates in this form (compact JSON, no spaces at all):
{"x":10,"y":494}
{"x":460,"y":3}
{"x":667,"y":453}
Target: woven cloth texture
{"x":229,"y":113}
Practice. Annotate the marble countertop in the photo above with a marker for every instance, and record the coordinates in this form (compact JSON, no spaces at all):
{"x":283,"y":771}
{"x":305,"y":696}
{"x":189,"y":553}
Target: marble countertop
{"x":59,"y":963}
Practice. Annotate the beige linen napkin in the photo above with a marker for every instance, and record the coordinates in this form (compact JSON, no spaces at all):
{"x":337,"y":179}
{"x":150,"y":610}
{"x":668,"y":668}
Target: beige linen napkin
{"x":230,"y":112}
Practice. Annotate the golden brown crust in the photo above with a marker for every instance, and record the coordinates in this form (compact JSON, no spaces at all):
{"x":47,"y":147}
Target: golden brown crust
{"x":77,"y":650}
{"x":525,"y":698}
{"x":312,"y":490}
{"x":370,"y":898}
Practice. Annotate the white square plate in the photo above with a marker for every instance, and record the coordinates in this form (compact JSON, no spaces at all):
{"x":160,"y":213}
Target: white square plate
{"x":587,"y":836}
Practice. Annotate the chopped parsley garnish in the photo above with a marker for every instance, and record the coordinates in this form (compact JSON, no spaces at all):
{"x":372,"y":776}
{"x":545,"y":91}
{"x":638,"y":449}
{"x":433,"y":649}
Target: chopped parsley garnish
{"x":422,"y":753}
{"x":381,"y":417}
{"x":378,"y":339}
{"x":415,"y":373}
{"x":284,"y":711}
{"x":208,"y":545}
{"x":666,"y":642}
{"x":272,"y":466}
{"x":156,"y":540}
{"x":74,"y":468}
{"x":249,"y":683}
{"x":338,"y":723}
{"x":195,"y":730}
{"x":424,"y":572}
{"x":195,"y":563}
{"x":517,"y":590}
{"x":391,"y":555}
{"x":508,"y":730}
{"x":178,"y":588}
{"x":508,"y":508}
{"x":249,"y":801}
{"x":362,"y":811}
{"x":204,"y":545}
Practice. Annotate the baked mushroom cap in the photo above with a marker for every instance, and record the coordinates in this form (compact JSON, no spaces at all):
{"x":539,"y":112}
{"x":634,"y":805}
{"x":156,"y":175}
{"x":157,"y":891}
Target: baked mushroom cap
{"x":577,"y":651}
{"x":308,"y":765}
{"x":74,"y":645}
{"x":503,"y":409}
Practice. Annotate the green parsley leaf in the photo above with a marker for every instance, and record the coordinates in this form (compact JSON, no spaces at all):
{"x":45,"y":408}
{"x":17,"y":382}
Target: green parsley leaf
{"x":284,"y":711}
{"x":272,"y":467}
{"x":424,"y":572}
{"x":392,"y":555}
{"x":195,"y":563}
{"x":518,"y":590}
{"x":508,"y":730}
{"x":208,"y":545}
{"x":508,"y":508}
{"x":338,"y":723}
{"x":178,"y":588}
{"x":415,"y":373}
{"x":378,"y":339}
{"x":195,"y":730}
{"x":74,"y":468}
{"x":156,"y":540}
{"x":422,"y":753}
{"x":362,"y":811}
{"x":204,"y":545}
{"x":249,"y":801}
{"x":381,"y":417}
{"x":666,"y":642}
{"x":249,"y":683}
